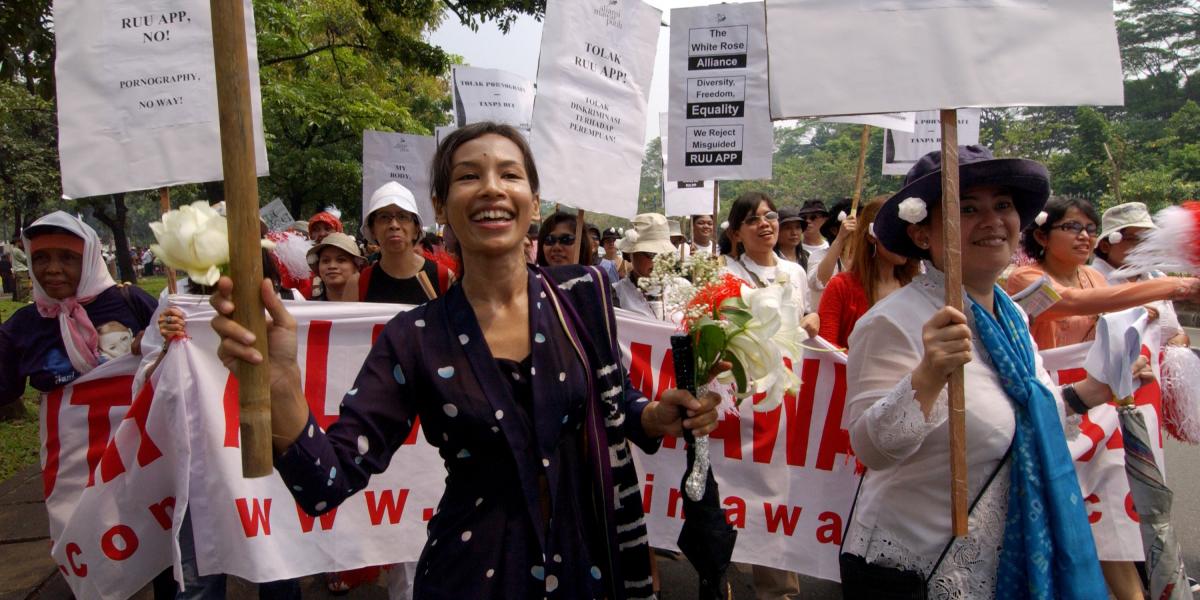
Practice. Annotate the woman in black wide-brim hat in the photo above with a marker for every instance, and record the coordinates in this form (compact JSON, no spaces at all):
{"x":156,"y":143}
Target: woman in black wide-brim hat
{"x":1029,"y":535}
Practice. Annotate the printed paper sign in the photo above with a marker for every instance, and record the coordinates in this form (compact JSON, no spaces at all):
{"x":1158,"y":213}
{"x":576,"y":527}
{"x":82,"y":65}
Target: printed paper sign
{"x":719,"y":119}
{"x":895,"y":121}
{"x":137,"y":96}
{"x":902,"y":150}
{"x":836,"y":57}
{"x":683,"y":198}
{"x":589,"y":122}
{"x":276,"y":215}
{"x":492,"y":95}
{"x":403,"y":158}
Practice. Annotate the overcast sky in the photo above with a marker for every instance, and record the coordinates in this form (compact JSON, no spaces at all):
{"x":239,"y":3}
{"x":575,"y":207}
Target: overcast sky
{"x":518,"y":51}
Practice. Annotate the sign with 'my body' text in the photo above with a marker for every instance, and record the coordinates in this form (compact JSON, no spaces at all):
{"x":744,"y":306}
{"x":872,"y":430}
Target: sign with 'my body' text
{"x":589,"y":122}
{"x":720,"y":124}
{"x":137,"y":95}
{"x":403,"y":158}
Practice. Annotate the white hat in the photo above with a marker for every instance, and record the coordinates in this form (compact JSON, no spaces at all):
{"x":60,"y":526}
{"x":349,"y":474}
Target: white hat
{"x":673,"y":227}
{"x":1117,"y":218}
{"x":648,"y":232}
{"x":393,"y":194}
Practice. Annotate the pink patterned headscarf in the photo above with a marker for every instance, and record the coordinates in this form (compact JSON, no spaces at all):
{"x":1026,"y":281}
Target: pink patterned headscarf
{"x":78,"y":333}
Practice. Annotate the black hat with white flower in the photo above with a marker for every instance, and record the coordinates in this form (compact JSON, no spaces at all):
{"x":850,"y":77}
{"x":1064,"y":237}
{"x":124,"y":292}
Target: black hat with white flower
{"x":1027,"y":180}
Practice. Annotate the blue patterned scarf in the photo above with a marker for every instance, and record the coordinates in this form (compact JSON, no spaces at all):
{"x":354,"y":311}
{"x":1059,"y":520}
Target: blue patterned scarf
{"x":1048,"y":548}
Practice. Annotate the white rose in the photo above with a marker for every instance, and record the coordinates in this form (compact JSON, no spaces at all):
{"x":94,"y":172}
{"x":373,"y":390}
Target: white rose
{"x":194,"y":239}
{"x":913,"y":210}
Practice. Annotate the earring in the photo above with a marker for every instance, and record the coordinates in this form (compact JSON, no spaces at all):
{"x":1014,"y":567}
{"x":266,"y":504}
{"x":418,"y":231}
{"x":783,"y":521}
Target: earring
{"x":874,"y":249}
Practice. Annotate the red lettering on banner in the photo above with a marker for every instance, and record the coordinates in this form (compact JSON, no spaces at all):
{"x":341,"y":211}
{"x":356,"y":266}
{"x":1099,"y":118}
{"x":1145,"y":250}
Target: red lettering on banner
{"x":729,"y":430}
{"x":253,"y":520}
{"x":1095,"y":515}
{"x":307,"y":521}
{"x":412,"y":435}
{"x":73,"y":550}
{"x":735,"y":512}
{"x":111,"y":463}
{"x":1093,"y":432}
{"x":100,"y":397}
{"x":647,"y":493}
{"x":162,"y":511}
{"x":830,"y":531}
{"x":642,"y":376}
{"x":376,"y":330}
{"x":834,"y":439}
{"x":232,"y":411}
{"x":316,"y":362}
{"x":782,"y":514}
{"x":1115,"y":441}
{"x":670,"y":441}
{"x":53,"y":446}
{"x":392,"y":504}
{"x":799,"y":420}
{"x":674,"y":503}
{"x":1130,"y":509}
{"x":1075,"y":375}
{"x":1151,"y":394}
{"x":129,"y":542}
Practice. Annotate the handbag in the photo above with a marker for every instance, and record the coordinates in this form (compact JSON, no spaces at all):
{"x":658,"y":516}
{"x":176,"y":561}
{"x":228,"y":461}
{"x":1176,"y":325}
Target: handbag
{"x":862,"y":580}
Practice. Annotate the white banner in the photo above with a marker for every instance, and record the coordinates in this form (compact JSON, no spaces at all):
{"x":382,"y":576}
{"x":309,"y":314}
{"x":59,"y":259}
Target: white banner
{"x":832,"y":57}
{"x":902,"y":150}
{"x":683,"y":198}
{"x":894,"y":121}
{"x":492,"y":95}
{"x":137,"y":95}
{"x":403,"y":158}
{"x":589,"y":121}
{"x":719,"y":119}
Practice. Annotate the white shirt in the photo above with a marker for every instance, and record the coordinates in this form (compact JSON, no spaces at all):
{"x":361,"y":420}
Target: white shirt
{"x":902,"y":517}
{"x":744,"y":267}
{"x":815,"y":255}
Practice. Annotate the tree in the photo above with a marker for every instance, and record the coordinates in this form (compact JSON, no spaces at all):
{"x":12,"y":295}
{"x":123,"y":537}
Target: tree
{"x":29,"y":176}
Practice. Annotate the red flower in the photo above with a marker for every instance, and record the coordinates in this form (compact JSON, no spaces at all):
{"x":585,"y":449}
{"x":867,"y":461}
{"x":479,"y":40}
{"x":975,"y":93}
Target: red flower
{"x":711,"y":296}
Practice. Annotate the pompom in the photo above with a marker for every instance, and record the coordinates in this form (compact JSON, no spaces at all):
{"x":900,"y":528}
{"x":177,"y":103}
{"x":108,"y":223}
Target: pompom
{"x":1115,"y":237}
{"x":1174,"y":247}
{"x":291,"y":256}
{"x":913,"y":210}
{"x":724,"y":224}
{"x":1041,"y":217}
{"x":335,"y":211}
{"x":842,"y":216}
{"x":1181,"y":393}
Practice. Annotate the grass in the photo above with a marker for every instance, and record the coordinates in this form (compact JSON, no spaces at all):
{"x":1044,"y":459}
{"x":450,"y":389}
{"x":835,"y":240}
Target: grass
{"x":19,"y":441}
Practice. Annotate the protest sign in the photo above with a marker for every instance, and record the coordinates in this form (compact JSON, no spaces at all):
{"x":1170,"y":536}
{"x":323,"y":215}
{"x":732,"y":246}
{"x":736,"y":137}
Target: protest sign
{"x":137,"y":100}
{"x":902,"y":150}
{"x":403,"y":158}
{"x":870,"y":56}
{"x":589,"y":122}
{"x":492,"y":95}
{"x":440,"y":133}
{"x":719,"y":119}
{"x":276,"y":215}
{"x":682,"y":198}
{"x":894,"y":121}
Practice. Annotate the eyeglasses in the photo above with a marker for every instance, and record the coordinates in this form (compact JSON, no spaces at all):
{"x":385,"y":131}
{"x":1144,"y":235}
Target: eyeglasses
{"x":753,"y":220}
{"x":387,"y":218}
{"x":565,"y":239}
{"x":1074,"y":228}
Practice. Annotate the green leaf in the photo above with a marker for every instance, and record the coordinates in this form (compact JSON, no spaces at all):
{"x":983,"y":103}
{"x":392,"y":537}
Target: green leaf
{"x":739,"y":373}
{"x":736,"y":316}
{"x":710,"y":340}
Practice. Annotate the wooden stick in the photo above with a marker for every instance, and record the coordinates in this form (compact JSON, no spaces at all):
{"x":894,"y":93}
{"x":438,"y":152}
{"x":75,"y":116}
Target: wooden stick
{"x":580,"y":231}
{"x":164,"y":205}
{"x":952,"y":249}
{"x":862,"y":169}
{"x":241,"y":193}
{"x":716,"y":209}
{"x":426,"y":286}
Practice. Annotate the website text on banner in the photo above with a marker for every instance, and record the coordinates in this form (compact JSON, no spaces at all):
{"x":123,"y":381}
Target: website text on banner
{"x":589,"y":121}
{"x":137,"y":95}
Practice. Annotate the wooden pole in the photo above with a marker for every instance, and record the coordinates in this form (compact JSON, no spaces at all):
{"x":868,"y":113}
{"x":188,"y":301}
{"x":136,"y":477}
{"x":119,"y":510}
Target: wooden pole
{"x":952,"y":250}
{"x":716,"y":225}
{"x":580,"y":231}
{"x":241,"y":193}
{"x":164,"y":205}
{"x":862,"y":169}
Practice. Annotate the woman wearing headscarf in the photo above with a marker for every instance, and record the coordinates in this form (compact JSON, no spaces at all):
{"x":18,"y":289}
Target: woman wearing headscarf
{"x":516,"y":377}
{"x":1028,"y":530}
{"x":79,"y":317}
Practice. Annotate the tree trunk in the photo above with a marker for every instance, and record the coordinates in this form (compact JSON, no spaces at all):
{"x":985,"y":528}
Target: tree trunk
{"x":295,"y":202}
{"x":116,"y":224}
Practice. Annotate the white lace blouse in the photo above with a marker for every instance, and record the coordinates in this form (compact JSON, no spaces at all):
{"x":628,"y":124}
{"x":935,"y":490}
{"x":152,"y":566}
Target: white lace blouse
{"x":902,"y":517}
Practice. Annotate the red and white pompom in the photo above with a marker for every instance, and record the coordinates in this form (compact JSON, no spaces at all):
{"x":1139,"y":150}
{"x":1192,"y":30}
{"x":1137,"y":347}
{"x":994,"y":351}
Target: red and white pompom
{"x":291,"y":255}
{"x":1174,"y":247}
{"x":1181,"y":393}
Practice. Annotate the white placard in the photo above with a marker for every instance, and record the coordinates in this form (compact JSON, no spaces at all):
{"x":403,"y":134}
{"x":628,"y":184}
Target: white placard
{"x":137,"y":96}
{"x":901,"y":150}
{"x":276,"y":215}
{"x":589,"y":121}
{"x":876,"y":56}
{"x":440,"y":133}
{"x":403,"y":158}
{"x":894,"y":121}
{"x":719,"y":119}
{"x":492,"y":95}
{"x":683,"y":198}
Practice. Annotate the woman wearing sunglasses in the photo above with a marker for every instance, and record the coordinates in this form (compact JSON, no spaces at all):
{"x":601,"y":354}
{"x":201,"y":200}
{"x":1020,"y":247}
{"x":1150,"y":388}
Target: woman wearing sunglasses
{"x":556,"y":238}
{"x":1062,"y":244}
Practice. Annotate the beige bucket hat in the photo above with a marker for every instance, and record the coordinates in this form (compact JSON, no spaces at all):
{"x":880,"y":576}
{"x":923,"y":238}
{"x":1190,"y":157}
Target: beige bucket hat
{"x":337,"y":240}
{"x":647,"y":232}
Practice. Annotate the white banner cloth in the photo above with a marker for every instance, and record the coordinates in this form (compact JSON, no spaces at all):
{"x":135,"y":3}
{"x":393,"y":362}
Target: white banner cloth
{"x":492,"y":95}
{"x":683,"y":198}
{"x":137,"y":95}
{"x":401,"y":157}
{"x":832,"y":57}
{"x":902,"y":150}
{"x":894,"y":121}
{"x":589,"y":120}
{"x":719,"y":118}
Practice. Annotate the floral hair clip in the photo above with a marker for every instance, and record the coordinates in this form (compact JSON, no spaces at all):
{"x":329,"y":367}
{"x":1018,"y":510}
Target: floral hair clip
{"x":913,"y":210}
{"x":1115,"y":237}
{"x":1041,"y":217}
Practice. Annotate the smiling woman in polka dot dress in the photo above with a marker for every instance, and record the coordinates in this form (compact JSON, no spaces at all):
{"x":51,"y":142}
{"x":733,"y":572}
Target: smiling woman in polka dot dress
{"x":516,"y":377}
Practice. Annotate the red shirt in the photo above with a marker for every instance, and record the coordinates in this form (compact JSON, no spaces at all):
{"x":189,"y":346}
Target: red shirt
{"x":842,"y":304}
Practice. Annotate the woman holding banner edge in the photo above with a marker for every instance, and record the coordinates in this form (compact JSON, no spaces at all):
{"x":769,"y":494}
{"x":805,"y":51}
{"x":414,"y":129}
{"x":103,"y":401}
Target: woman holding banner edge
{"x":525,"y":451}
{"x":1029,"y":535}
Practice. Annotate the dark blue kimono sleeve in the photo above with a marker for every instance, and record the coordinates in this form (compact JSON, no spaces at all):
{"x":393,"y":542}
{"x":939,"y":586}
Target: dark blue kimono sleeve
{"x":12,"y":383}
{"x":323,"y":468}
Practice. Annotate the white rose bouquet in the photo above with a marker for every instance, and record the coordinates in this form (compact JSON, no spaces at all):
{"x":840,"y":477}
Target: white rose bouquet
{"x":193,"y":238}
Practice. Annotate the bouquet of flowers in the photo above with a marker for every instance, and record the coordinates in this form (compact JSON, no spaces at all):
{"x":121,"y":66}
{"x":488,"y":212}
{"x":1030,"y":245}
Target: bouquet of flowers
{"x":194,"y":238}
